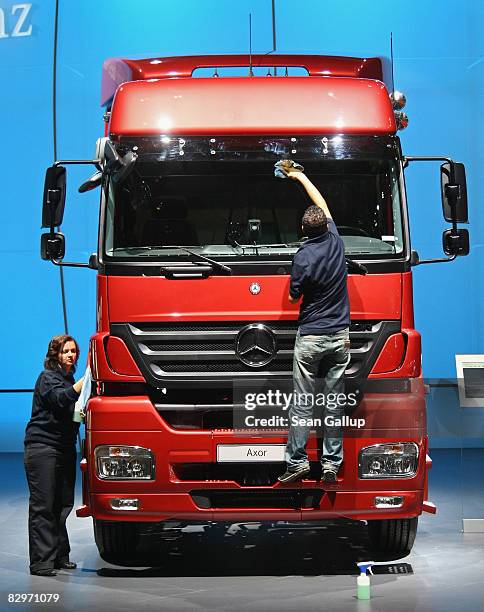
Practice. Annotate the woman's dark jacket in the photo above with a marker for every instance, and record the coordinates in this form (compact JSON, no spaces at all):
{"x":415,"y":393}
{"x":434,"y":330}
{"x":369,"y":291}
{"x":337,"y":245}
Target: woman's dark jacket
{"x":52,"y":409}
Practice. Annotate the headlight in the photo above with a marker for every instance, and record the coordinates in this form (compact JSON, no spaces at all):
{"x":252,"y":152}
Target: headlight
{"x":124,"y":463}
{"x":393,"y":460}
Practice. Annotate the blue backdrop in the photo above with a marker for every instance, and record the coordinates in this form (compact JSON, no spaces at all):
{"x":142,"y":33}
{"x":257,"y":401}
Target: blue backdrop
{"x":439,"y":64}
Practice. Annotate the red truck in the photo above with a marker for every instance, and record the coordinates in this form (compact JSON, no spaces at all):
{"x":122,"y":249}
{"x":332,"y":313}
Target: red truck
{"x":196,"y":239}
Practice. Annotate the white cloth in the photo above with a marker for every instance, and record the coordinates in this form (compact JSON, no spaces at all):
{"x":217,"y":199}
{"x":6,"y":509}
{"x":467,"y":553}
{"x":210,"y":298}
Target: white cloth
{"x":79,"y":408}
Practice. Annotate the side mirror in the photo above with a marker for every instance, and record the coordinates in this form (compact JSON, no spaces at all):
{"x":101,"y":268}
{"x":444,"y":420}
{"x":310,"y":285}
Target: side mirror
{"x":52,"y":246}
{"x":456,"y":242}
{"x":54,"y":196}
{"x":454,"y":193}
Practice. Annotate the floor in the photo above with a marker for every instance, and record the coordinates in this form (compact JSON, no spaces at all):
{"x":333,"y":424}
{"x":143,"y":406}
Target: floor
{"x":263,"y":567}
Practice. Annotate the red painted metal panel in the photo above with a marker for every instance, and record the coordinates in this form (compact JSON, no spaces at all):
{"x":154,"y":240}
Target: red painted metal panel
{"x":376,"y":296}
{"x":389,"y":417}
{"x":357,"y":505}
{"x":391,"y":355}
{"x":292,"y":105}
{"x":102,"y":314}
{"x":117,"y":71}
{"x":407,"y":301}
{"x":101,"y":367}
{"x":135,"y":299}
{"x":120,"y":358}
{"x":134,"y":421}
{"x":411,"y":367}
{"x":316,"y":65}
{"x":123,"y":414}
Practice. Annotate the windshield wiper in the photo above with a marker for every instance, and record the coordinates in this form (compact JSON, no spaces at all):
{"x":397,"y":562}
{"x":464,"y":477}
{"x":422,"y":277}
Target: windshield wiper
{"x":217,"y":264}
{"x":275,"y":245}
{"x":160,"y":247}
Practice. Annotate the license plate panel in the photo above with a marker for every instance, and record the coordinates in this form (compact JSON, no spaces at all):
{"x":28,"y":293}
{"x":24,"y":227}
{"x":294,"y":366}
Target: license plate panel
{"x":243,"y":453}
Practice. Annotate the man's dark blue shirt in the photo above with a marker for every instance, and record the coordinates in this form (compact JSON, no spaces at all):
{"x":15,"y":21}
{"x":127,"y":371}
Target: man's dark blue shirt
{"x":319,"y":275}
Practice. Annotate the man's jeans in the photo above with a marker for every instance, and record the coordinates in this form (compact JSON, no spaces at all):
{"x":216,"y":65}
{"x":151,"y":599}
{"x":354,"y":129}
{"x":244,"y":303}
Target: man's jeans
{"x":319,"y":366}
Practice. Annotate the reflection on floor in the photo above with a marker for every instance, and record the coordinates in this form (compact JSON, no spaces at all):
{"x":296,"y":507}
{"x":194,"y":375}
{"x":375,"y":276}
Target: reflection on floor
{"x":264,"y":567}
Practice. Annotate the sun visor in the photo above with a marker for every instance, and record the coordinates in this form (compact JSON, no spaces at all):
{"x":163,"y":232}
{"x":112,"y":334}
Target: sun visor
{"x":290,"y":105}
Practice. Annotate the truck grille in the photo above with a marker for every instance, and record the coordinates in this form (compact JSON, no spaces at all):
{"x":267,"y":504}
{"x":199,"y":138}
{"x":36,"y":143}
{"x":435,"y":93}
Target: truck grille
{"x":255,"y":498}
{"x":243,"y":474}
{"x":207,"y":350}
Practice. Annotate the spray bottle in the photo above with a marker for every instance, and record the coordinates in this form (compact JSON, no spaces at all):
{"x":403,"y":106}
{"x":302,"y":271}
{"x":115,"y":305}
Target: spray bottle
{"x":363,"y":580}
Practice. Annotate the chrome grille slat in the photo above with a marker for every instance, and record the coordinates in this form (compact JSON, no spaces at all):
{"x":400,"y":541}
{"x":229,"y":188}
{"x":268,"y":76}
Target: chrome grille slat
{"x":202,"y":355}
{"x":205,"y":335}
{"x":184,"y":335}
{"x":363,"y":350}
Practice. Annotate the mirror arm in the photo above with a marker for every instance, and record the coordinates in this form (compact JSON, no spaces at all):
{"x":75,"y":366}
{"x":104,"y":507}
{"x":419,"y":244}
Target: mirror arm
{"x":64,"y":162}
{"x":410,"y":158}
{"x":58,"y":262}
{"x":439,"y":260}
{"x":452,"y":198}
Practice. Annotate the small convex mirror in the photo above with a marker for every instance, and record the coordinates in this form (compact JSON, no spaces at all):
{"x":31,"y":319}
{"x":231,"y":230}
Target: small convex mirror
{"x":52,"y":246}
{"x":456,"y":243}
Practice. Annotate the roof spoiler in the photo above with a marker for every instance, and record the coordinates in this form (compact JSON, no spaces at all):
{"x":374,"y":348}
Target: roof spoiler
{"x":117,"y":71}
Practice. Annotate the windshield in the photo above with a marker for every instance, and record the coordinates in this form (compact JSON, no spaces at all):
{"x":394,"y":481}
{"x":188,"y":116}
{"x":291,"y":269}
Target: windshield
{"x":220,"y":198}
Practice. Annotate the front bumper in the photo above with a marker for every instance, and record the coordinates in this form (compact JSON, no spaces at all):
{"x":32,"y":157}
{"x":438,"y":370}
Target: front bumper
{"x":134,"y":421}
{"x":154,"y":507}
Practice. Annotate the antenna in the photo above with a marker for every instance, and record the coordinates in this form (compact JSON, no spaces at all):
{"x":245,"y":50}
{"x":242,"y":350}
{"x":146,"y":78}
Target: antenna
{"x":274,"y":31}
{"x":273,"y":34}
{"x":391,"y":55}
{"x":397,"y":98}
{"x":251,"y":73}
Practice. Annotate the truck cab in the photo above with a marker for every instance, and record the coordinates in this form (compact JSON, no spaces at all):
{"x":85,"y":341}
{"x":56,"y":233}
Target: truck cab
{"x":196,"y":241}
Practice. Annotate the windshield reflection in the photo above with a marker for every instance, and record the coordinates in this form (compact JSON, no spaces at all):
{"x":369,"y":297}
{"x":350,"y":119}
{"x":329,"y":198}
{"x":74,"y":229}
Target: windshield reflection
{"x":206,"y":198}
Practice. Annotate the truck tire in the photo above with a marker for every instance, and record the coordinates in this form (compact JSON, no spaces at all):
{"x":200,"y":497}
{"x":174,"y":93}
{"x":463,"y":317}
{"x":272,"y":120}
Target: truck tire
{"x":392,"y":535}
{"x":117,"y":541}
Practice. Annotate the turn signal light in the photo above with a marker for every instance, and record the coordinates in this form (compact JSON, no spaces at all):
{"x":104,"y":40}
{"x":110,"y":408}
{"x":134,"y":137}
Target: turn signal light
{"x":118,"y":503}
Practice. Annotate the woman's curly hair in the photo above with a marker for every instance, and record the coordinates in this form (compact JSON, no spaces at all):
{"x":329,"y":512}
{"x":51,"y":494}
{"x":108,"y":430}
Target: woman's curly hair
{"x":56,"y":345}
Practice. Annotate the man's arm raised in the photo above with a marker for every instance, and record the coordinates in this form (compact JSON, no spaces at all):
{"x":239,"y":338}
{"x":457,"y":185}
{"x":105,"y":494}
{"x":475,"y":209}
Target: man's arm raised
{"x":312,"y":191}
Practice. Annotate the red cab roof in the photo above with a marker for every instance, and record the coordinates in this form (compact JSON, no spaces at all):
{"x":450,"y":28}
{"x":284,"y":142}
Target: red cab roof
{"x":157,"y":96}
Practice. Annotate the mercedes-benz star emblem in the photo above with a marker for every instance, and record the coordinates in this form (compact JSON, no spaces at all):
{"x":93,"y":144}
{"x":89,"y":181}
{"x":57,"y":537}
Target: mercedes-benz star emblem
{"x":254,"y":288}
{"x":255,"y":345}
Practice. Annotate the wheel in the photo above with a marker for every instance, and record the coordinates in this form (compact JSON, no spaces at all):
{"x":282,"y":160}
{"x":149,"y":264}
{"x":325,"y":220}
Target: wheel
{"x":392,"y":535}
{"x":117,"y":541}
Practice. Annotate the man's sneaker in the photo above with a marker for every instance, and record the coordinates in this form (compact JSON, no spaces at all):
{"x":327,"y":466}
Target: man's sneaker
{"x":295,"y":473}
{"x":330,"y":474}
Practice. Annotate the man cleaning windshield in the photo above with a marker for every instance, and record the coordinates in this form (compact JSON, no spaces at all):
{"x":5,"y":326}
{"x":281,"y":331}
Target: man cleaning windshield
{"x":321,"y":351}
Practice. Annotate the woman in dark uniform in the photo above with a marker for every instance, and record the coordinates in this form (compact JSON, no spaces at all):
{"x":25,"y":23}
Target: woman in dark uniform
{"x":50,"y":458}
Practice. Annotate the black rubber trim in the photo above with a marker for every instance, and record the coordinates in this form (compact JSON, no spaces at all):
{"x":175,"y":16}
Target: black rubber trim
{"x":245,"y":268}
{"x":290,"y":499}
{"x":124,"y":389}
